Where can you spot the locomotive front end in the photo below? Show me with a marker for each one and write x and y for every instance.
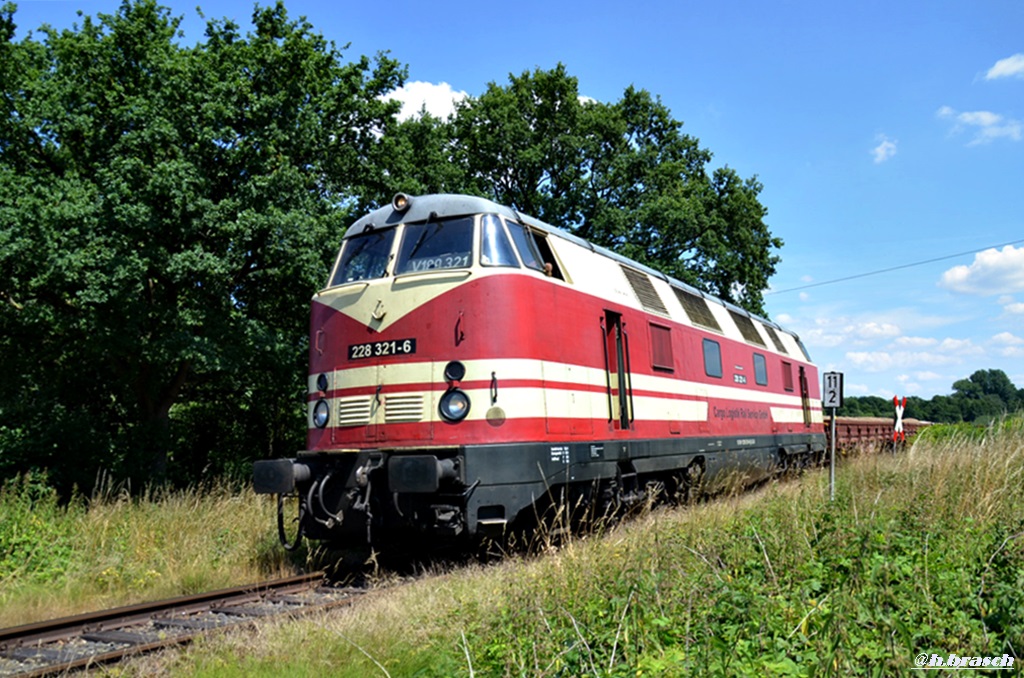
(398, 382)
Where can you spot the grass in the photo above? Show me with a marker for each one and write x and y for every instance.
(61, 559)
(922, 552)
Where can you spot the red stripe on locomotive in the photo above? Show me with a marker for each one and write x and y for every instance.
(528, 317)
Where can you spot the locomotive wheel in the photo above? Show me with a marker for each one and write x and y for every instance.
(693, 478)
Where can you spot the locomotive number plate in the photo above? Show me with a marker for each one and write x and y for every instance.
(379, 349)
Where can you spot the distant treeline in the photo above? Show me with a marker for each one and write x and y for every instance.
(986, 394)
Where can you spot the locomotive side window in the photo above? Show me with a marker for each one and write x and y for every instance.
(364, 257)
(712, 358)
(436, 245)
(526, 245)
(760, 370)
(495, 247)
(551, 266)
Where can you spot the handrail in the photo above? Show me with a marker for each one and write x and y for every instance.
(607, 368)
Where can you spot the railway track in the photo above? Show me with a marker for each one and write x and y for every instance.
(95, 638)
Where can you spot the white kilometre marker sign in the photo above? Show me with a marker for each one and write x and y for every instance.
(833, 398)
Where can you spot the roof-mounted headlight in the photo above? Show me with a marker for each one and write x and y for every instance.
(401, 202)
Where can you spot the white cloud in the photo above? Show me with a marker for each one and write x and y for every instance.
(908, 383)
(884, 150)
(1014, 308)
(992, 272)
(1009, 345)
(1005, 68)
(825, 338)
(439, 100)
(1007, 339)
(804, 296)
(873, 330)
(860, 389)
(916, 342)
(885, 361)
(960, 347)
(833, 332)
(987, 126)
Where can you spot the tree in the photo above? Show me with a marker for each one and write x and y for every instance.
(985, 393)
(621, 175)
(165, 213)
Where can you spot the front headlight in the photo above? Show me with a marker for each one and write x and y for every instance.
(454, 405)
(321, 413)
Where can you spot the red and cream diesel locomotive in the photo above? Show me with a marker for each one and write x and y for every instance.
(469, 365)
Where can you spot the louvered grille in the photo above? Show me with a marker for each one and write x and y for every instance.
(644, 290)
(408, 407)
(696, 309)
(354, 411)
(747, 329)
(775, 339)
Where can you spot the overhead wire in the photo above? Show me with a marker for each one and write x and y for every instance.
(891, 268)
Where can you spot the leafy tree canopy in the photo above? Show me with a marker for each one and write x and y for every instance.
(622, 175)
(165, 212)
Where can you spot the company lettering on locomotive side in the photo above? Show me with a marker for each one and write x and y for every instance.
(469, 365)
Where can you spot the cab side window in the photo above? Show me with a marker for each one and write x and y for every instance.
(526, 245)
(535, 250)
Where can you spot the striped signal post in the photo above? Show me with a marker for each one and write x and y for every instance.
(897, 429)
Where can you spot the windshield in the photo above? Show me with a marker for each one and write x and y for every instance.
(436, 245)
(364, 256)
(495, 248)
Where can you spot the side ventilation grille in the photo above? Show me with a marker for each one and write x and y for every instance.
(697, 309)
(644, 290)
(747, 329)
(775, 339)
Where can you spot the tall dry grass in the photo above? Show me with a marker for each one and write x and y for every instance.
(116, 549)
(920, 552)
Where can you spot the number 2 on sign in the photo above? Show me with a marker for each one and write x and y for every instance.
(833, 389)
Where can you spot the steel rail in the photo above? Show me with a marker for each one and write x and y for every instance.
(59, 645)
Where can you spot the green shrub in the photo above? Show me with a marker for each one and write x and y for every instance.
(36, 534)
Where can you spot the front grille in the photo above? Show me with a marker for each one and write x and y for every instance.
(407, 407)
(354, 411)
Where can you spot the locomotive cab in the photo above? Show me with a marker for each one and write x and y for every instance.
(384, 406)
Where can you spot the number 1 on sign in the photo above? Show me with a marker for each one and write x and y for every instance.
(833, 391)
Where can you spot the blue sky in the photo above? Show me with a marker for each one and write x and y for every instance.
(885, 134)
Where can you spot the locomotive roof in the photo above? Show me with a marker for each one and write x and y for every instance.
(447, 205)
